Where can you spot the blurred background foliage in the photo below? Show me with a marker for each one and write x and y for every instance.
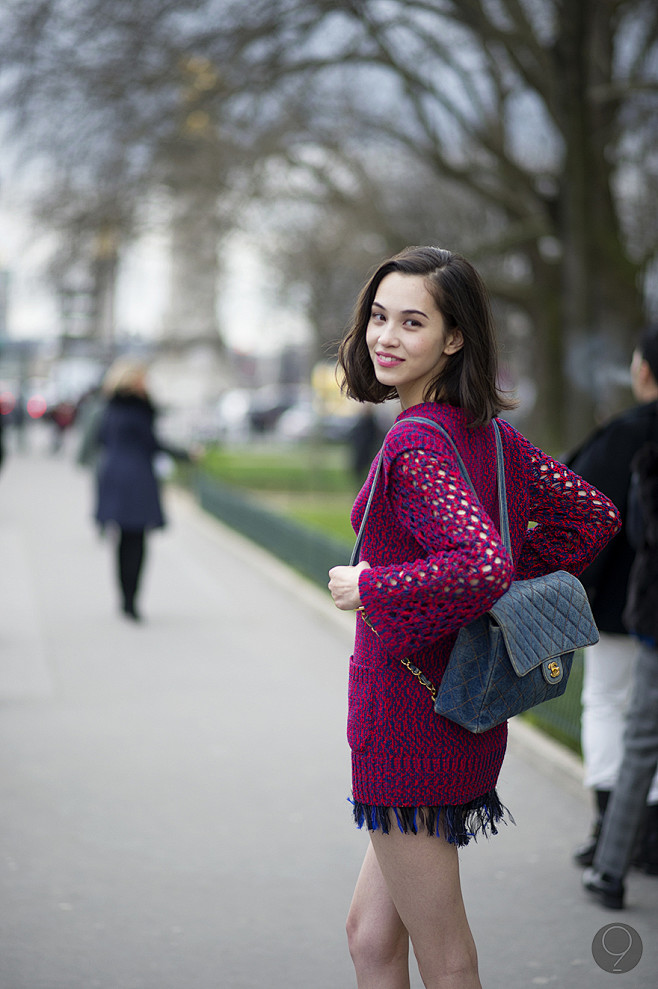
(522, 133)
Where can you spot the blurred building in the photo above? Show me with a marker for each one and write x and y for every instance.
(4, 301)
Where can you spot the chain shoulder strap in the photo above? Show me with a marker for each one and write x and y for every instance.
(424, 680)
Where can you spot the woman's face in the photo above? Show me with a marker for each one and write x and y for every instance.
(407, 338)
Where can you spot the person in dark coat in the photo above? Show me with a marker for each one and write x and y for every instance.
(128, 493)
(626, 810)
(604, 460)
(365, 437)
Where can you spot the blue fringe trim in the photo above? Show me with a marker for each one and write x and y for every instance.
(456, 823)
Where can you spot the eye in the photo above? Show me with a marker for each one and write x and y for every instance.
(377, 317)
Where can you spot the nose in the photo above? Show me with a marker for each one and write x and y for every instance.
(388, 334)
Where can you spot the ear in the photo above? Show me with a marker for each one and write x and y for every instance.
(454, 341)
(640, 369)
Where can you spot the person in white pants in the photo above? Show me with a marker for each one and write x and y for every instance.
(623, 816)
(604, 460)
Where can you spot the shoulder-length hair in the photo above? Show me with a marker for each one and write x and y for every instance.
(125, 375)
(468, 378)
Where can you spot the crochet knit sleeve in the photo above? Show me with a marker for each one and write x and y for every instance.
(574, 520)
(466, 568)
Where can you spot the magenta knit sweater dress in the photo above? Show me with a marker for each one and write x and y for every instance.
(437, 562)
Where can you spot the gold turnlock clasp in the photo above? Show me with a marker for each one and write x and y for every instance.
(554, 669)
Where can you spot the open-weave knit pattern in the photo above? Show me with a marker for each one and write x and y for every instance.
(437, 562)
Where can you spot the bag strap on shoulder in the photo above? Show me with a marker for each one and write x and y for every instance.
(500, 478)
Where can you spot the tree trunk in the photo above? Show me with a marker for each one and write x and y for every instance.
(546, 424)
(600, 298)
(192, 310)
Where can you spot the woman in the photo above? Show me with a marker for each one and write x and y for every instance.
(127, 488)
(432, 560)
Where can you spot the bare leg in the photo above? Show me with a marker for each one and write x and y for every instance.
(422, 877)
(378, 940)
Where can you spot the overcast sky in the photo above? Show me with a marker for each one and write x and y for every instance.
(251, 318)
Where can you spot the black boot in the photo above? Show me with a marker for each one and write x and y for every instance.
(130, 611)
(645, 857)
(584, 854)
(609, 890)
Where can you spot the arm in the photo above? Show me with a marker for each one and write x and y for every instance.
(574, 520)
(645, 497)
(175, 452)
(608, 446)
(464, 567)
(634, 520)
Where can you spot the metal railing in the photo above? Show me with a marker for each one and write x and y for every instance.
(311, 553)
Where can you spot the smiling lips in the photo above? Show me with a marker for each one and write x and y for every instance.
(388, 360)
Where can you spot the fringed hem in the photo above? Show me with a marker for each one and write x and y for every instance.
(457, 824)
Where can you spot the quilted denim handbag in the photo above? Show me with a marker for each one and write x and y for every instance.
(519, 653)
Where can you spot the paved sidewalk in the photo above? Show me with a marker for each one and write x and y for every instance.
(173, 795)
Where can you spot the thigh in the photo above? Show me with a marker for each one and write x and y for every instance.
(373, 915)
(608, 670)
(422, 875)
(421, 872)
(642, 727)
(132, 542)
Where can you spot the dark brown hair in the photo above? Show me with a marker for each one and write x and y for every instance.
(469, 376)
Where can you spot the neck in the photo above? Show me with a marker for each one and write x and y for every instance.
(649, 393)
(410, 398)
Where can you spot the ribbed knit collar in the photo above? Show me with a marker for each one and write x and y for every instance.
(434, 409)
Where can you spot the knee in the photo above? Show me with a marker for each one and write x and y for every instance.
(374, 946)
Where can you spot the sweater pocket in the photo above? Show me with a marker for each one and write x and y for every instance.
(360, 707)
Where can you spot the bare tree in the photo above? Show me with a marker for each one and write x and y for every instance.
(536, 109)
(541, 111)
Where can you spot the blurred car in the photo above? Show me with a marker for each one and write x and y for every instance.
(269, 403)
(303, 421)
(299, 422)
(231, 415)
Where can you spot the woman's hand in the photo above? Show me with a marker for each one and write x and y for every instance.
(344, 586)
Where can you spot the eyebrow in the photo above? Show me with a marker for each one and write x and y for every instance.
(404, 312)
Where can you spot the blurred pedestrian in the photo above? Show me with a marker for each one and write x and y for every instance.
(127, 488)
(433, 560)
(88, 418)
(604, 460)
(17, 420)
(365, 439)
(62, 416)
(627, 809)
